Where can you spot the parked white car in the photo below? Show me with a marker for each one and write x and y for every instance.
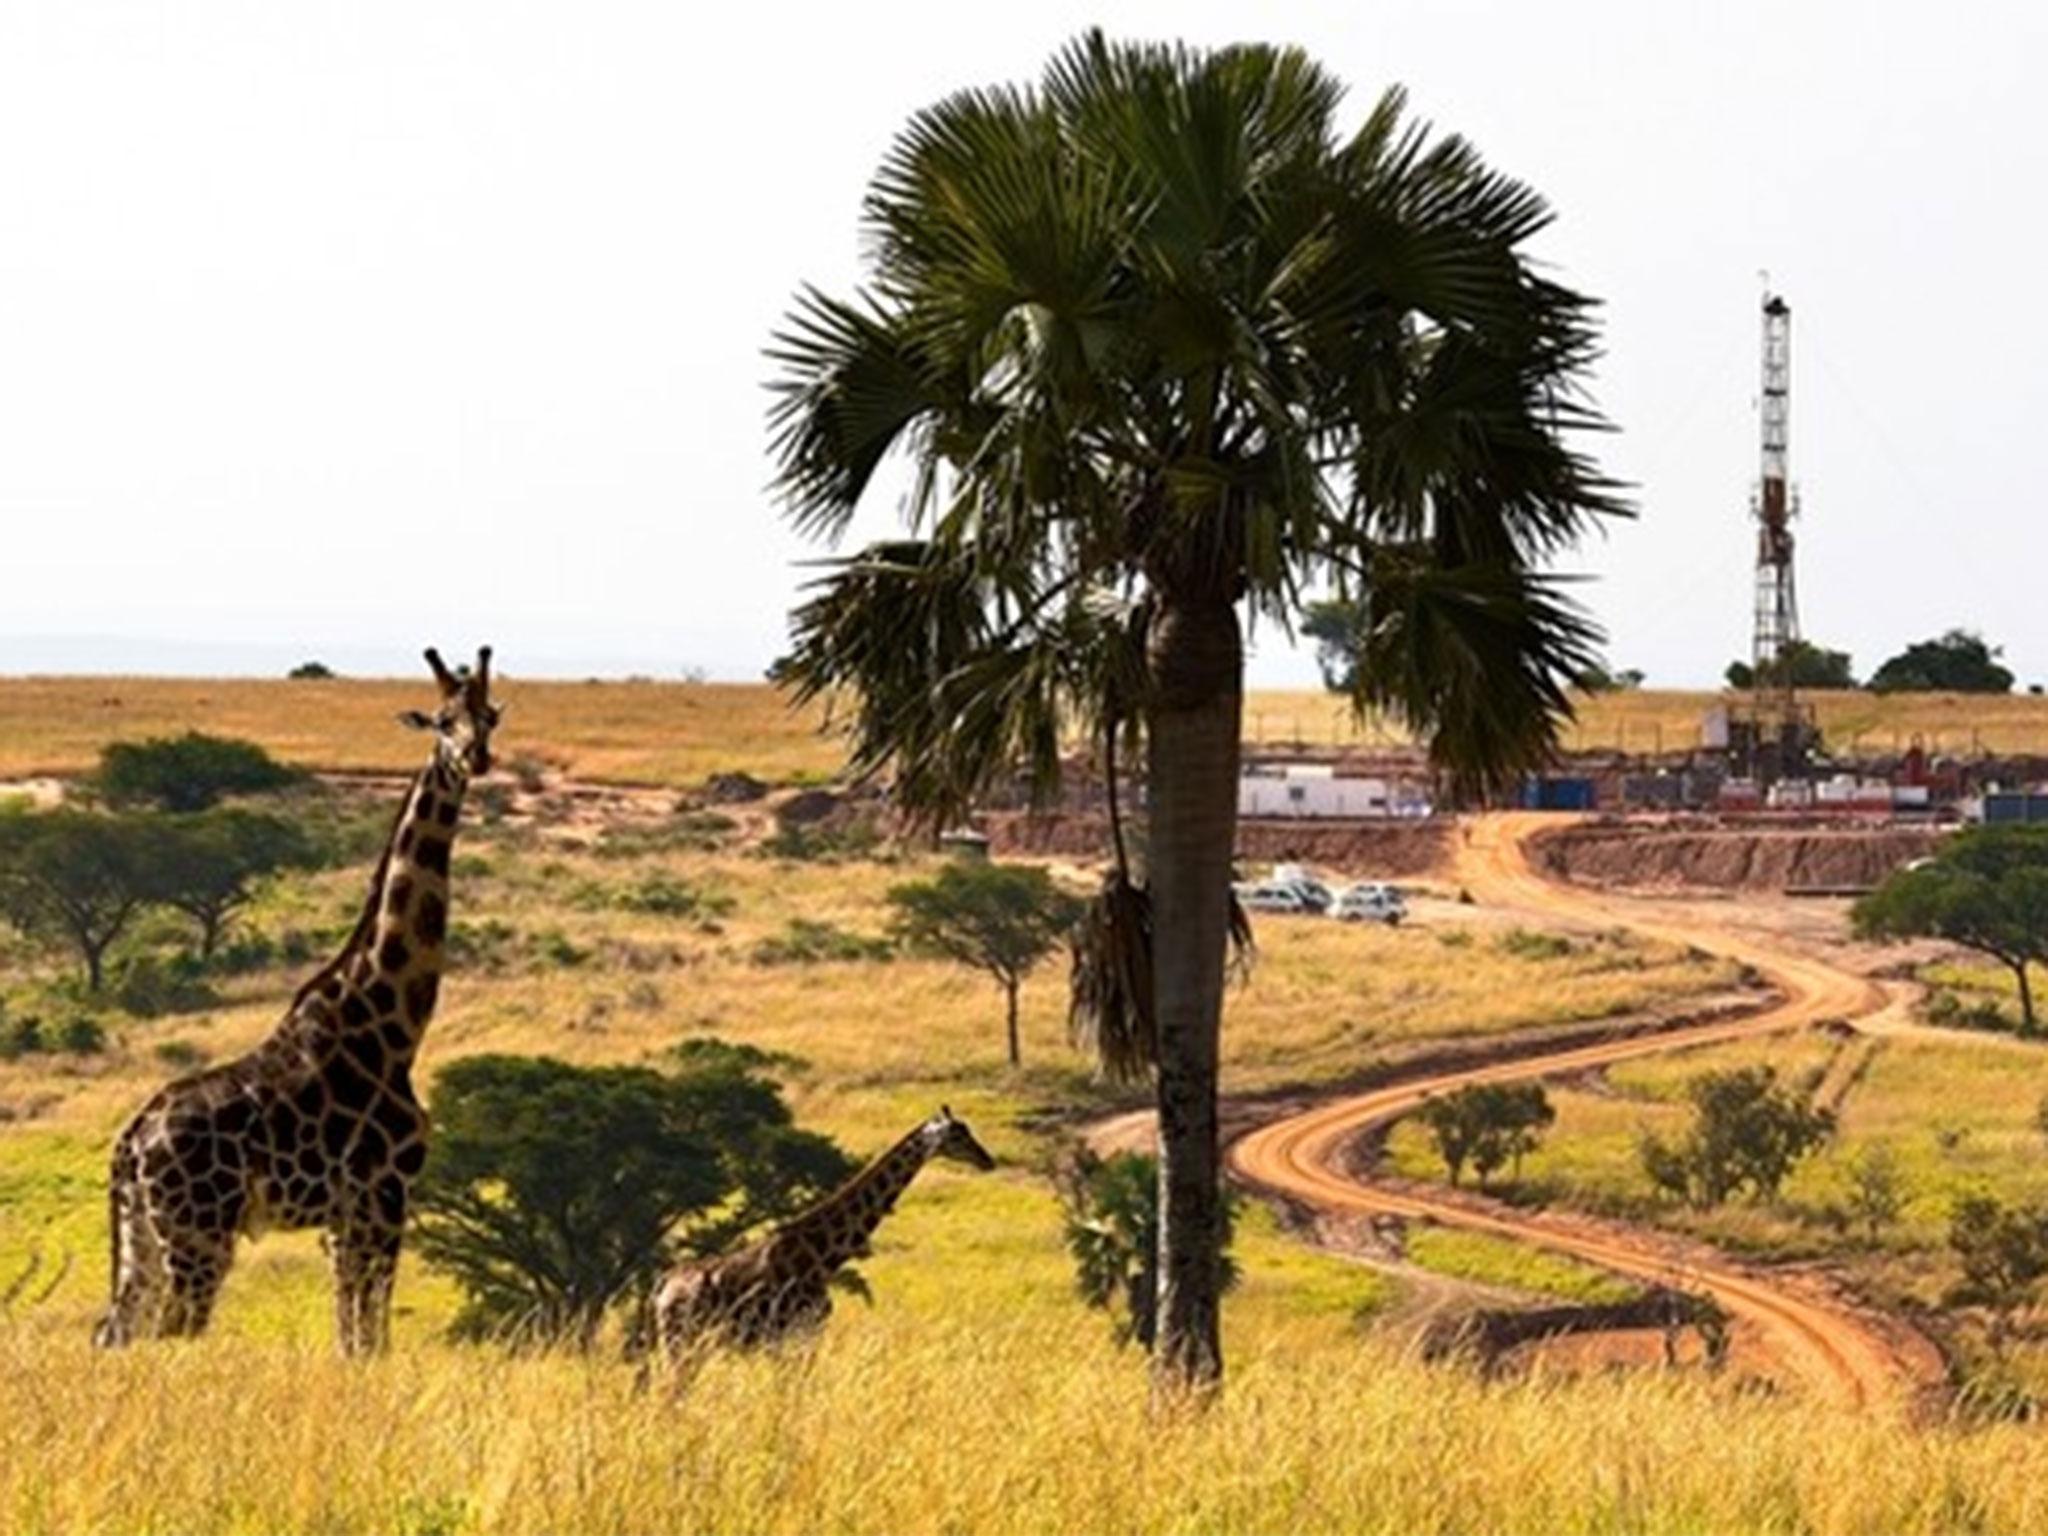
(1369, 901)
(1297, 878)
(1270, 896)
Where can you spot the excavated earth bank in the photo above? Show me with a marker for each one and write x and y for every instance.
(1655, 857)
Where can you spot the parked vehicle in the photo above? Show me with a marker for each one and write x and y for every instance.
(1370, 901)
(1315, 895)
(1270, 896)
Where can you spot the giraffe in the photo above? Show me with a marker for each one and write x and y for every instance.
(319, 1125)
(776, 1287)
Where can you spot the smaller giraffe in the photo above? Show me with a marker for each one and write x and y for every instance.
(777, 1286)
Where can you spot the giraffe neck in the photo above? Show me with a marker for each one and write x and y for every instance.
(392, 969)
(838, 1228)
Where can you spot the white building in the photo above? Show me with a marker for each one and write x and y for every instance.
(1317, 791)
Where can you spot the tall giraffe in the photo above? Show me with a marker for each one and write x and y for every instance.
(778, 1286)
(319, 1125)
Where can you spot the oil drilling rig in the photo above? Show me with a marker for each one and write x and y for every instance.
(1772, 736)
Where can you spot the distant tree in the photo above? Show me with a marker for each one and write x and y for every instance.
(1338, 625)
(311, 671)
(1876, 1189)
(1597, 677)
(77, 878)
(2003, 1251)
(1748, 1131)
(1801, 664)
(1111, 1208)
(193, 772)
(999, 918)
(1957, 662)
(555, 1190)
(1488, 1125)
(210, 864)
(1987, 890)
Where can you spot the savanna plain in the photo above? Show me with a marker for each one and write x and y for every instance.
(973, 1392)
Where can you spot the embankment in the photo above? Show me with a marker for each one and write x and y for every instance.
(1636, 856)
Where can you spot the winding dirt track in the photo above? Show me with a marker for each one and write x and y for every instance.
(1843, 1354)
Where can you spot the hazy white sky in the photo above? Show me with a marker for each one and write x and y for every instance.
(338, 329)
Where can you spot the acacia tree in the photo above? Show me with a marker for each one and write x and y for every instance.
(999, 918)
(1168, 355)
(211, 863)
(79, 879)
(1986, 890)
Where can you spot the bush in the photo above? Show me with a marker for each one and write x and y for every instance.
(1488, 1125)
(149, 986)
(22, 1037)
(556, 1190)
(1111, 1209)
(193, 772)
(82, 1036)
(552, 947)
(807, 942)
(825, 842)
(1747, 1132)
(180, 1055)
(1528, 944)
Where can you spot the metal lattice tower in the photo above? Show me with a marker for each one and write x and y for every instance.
(1775, 505)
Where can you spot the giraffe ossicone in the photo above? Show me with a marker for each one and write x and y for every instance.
(780, 1285)
(318, 1126)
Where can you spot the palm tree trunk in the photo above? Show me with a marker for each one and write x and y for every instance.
(1197, 663)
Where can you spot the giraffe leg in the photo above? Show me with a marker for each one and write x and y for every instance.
(197, 1264)
(365, 1251)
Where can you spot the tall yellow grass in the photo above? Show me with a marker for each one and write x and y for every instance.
(978, 1422)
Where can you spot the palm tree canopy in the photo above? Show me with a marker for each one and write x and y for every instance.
(1153, 332)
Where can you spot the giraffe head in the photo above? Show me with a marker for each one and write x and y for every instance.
(947, 1137)
(463, 724)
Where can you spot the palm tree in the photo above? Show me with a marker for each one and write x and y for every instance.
(1168, 357)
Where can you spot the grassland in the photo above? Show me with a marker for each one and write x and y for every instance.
(678, 733)
(551, 958)
(976, 1395)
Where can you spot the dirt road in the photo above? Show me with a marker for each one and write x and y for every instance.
(1844, 1354)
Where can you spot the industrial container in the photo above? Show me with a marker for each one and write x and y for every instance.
(2011, 808)
(1547, 792)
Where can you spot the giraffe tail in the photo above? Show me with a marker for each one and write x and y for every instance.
(103, 1335)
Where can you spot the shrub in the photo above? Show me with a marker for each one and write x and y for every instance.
(825, 842)
(82, 1036)
(1487, 1124)
(310, 671)
(149, 986)
(192, 772)
(22, 1037)
(552, 947)
(181, 1055)
(1748, 1131)
(1111, 1210)
(1528, 944)
(2003, 1251)
(556, 1190)
(804, 941)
